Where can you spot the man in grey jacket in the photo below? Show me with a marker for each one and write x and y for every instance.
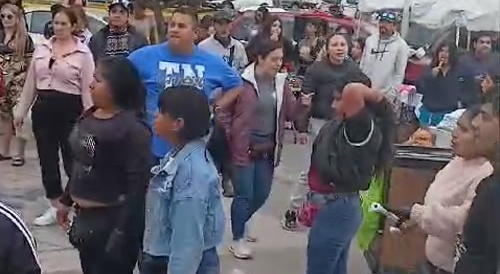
(118, 38)
(385, 56)
(222, 44)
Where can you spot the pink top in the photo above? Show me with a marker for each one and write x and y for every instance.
(446, 205)
(71, 74)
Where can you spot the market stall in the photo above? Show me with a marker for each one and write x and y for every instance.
(413, 171)
(426, 151)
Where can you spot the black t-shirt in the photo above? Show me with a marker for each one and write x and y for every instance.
(112, 161)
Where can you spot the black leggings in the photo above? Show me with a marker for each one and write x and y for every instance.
(90, 234)
(54, 115)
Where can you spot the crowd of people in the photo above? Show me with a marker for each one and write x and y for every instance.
(148, 131)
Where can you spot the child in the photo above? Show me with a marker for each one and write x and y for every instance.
(184, 214)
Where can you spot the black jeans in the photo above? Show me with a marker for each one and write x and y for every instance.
(54, 115)
(90, 233)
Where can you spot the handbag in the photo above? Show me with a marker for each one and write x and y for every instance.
(307, 212)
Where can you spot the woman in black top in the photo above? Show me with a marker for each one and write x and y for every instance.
(111, 145)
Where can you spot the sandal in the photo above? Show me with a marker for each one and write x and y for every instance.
(18, 161)
(4, 158)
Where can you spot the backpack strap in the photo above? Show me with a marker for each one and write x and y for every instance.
(231, 55)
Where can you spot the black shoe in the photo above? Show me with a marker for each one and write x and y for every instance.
(290, 220)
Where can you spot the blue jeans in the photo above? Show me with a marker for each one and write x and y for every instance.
(209, 264)
(331, 233)
(252, 185)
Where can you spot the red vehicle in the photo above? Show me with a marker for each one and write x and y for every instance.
(294, 23)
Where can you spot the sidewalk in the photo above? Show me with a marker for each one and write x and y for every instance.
(21, 188)
(276, 252)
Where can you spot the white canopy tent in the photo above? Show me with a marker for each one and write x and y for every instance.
(477, 15)
(483, 15)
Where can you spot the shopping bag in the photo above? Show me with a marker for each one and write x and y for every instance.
(371, 221)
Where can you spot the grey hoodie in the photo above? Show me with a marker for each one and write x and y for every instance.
(384, 62)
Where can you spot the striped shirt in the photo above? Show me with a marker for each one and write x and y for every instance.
(17, 245)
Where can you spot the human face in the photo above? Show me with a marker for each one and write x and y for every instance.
(347, 103)
(356, 51)
(486, 128)
(100, 91)
(337, 49)
(463, 142)
(118, 16)
(276, 28)
(271, 63)
(259, 16)
(444, 55)
(222, 28)
(311, 29)
(483, 45)
(63, 28)
(487, 84)
(139, 10)
(9, 20)
(386, 28)
(211, 30)
(167, 127)
(181, 30)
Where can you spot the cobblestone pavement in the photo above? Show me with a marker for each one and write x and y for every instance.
(276, 252)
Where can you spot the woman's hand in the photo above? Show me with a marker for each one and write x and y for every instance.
(436, 70)
(62, 216)
(18, 122)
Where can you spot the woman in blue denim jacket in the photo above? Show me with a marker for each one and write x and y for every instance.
(184, 214)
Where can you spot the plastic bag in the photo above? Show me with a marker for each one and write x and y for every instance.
(371, 221)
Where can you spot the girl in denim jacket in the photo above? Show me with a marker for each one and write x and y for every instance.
(184, 214)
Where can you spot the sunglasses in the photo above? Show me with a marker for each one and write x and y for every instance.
(7, 16)
(387, 16)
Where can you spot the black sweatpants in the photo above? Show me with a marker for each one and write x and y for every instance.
(54, 115)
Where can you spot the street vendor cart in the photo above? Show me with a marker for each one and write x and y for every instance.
(413, 171)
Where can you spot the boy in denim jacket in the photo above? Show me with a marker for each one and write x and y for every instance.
(184, 214)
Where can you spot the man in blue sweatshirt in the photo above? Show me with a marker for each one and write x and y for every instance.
(179, 62)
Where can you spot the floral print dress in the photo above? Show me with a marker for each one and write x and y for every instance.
(14, 69)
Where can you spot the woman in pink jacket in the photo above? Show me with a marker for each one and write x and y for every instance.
(449, 197)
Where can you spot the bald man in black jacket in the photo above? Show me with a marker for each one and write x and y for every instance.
(17, 245)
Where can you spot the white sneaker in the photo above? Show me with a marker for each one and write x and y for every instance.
(240, 250)
(49, 217)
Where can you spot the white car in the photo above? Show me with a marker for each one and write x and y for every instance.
(36, 18)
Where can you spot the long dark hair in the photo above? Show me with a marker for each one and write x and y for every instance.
(125, 83)
(452, 51)
(266, 27)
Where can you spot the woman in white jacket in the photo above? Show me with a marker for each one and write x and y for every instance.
(449, 197)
